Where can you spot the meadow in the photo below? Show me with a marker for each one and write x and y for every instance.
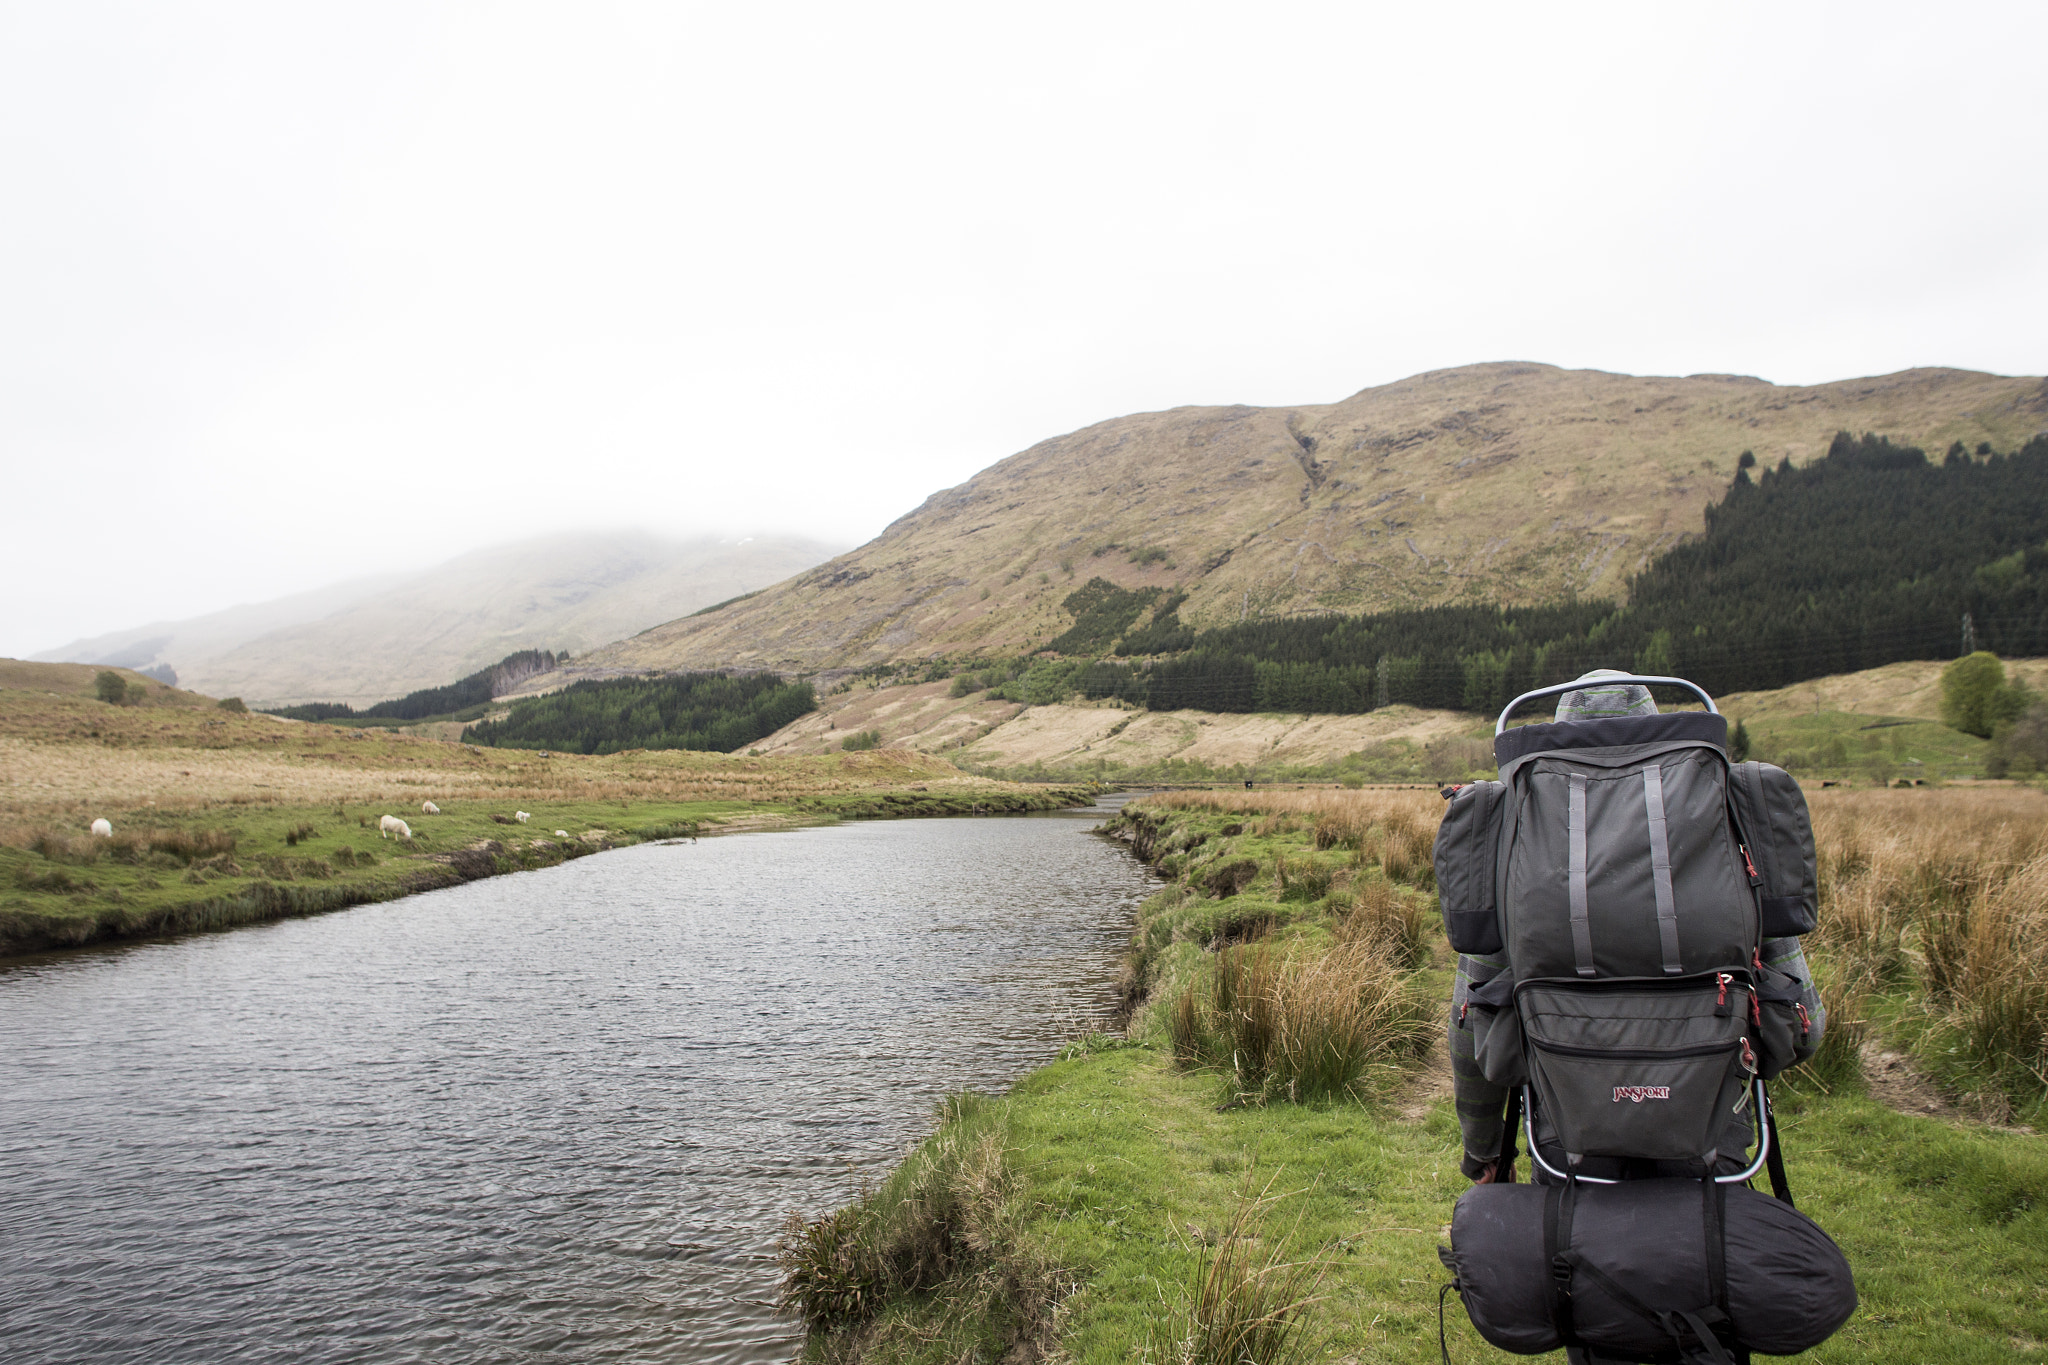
(224, 817)
(1261, 1167)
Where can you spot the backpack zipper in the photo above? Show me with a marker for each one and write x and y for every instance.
(1638, 1054)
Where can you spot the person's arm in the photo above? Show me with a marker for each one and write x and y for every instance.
(1481, 1103)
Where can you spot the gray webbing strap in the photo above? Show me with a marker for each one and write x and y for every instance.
(1660, 868)
(1582, 932)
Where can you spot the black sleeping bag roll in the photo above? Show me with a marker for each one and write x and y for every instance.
(1788, 1286)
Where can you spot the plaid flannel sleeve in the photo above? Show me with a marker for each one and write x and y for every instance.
(1481, 1103)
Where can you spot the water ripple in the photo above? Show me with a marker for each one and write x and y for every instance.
(551, 1117)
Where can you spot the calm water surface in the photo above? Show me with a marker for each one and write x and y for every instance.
(556, 1116)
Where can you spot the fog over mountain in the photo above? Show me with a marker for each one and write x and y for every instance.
(372, 638)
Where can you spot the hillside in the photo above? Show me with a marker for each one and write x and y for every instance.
(1510, 483)
(375, 639)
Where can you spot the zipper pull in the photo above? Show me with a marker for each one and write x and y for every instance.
(1805, 1024)
(1748, 1057)
(1756, 1012)
(1721, 998)
(1754, 880)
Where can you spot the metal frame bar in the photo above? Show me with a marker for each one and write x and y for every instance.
(1582, 684)
(1763, 1142)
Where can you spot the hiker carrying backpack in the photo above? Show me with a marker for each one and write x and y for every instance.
(1626, 906)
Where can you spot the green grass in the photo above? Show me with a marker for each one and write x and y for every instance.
(298, 859)
(1122, 1165)
(1865, 749)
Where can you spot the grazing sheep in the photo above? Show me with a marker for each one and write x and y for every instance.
(561, 834)
(391, 825)
(521, 816)
(102, 828)
(429, 808)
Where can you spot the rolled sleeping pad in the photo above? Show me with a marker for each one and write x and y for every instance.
(1789, 1287)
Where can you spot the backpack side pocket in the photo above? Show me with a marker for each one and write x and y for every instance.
(1784, 1031)
(1466, 844)
(1496, 1030)
(1770, 810)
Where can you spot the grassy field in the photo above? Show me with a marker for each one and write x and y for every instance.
(223, 818)
(1264, 1166)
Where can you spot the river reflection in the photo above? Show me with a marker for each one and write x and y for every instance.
(556, 1116)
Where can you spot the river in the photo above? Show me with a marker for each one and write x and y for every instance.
(554, 1116)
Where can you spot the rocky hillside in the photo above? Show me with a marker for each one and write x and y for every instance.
(366, 642)
(1511, 483)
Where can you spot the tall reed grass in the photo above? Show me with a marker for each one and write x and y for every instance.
(1942, 895)
(1301, 1026)
(1249, 1295)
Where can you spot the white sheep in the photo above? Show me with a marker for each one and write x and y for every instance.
(103, 828)
(521, 816)
(561, 834)
(429, 808)
(391, 825)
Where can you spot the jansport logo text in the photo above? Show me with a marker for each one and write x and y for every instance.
(1639, 1093)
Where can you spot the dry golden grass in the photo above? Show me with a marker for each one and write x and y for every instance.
(1944, 893)
(1391, 827)
(66, 759)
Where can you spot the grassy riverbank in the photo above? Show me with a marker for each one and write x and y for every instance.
(224, 818)
(1273, 1146)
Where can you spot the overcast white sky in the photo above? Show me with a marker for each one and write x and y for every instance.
(296, 292)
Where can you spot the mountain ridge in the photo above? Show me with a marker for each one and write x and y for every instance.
(1508, 482)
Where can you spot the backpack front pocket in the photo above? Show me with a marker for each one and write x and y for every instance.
(1635, 1068)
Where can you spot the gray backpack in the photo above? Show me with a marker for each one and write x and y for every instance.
(1630, 874)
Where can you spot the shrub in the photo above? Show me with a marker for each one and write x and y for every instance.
(861, 740)
(234, 704)
(110, 687)
(965, 685)
(1975, 696)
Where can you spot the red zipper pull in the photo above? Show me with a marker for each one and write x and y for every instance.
(1756, 1012)
(1748, 1057)
(1805, 1024)
(1753, 878)
(1722, 998)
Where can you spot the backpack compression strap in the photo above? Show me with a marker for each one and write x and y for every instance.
(1504, 1164)
(1774, 1160)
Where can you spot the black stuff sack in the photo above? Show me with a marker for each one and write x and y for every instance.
(1788, 1286)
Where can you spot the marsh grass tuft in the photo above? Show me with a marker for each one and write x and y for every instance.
(1304, 1026)
(1399, 928)
(945, 1219)
(1249, 1295)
